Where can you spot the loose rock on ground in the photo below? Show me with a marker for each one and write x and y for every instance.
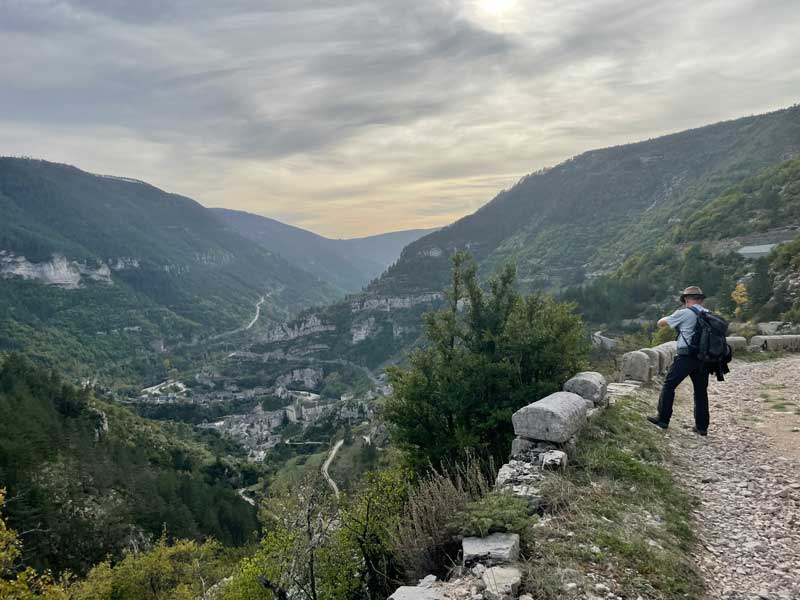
(746, 475)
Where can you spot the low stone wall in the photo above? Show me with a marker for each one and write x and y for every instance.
(788, 343)
(643, 365)
(546, 431)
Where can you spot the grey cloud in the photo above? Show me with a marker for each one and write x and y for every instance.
(353, 101)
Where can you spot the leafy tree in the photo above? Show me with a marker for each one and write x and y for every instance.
(739, 296)
(183, 570)
(482, 363)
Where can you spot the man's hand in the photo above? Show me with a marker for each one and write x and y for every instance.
(663, 322)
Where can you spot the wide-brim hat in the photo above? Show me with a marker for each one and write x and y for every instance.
(692, 290)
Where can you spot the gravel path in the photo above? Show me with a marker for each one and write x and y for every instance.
(746, 474)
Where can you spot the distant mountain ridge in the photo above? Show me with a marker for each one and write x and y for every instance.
(349, 264)
(98, 270)
(585, 215)
(561, 227)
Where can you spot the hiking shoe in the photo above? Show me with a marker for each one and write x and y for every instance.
(703, 432)
(658, 422)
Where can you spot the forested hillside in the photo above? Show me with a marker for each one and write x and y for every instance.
(347, 264)
(702, 249)
(87, 480)
(97, 271)
(586, 215)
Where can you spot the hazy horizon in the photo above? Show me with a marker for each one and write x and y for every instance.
(358, 117)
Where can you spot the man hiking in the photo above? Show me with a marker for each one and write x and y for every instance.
(687, 363)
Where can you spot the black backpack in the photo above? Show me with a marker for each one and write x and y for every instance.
(709, 341)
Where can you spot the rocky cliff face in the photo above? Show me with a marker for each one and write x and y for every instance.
(58, 271)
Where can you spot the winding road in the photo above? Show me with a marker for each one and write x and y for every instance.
(258, 313)
(327, 464)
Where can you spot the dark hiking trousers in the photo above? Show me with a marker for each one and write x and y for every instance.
(683, 367)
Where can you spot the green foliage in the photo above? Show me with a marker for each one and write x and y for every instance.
(84, 493)
(502, 352)
(495, 512)
(315, 548)
(183, 570)
(770, 199)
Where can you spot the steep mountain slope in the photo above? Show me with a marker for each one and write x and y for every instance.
(96, 269)
(587, 214)
(347, 264)
(562, 226)
(761, 213)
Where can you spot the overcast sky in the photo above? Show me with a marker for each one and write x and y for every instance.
(354, 117)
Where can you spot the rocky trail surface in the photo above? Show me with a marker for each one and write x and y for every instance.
(746, 475)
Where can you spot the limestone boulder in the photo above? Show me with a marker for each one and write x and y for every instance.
(555, 418)
(496, 549)
(590, 385)
(636, 366)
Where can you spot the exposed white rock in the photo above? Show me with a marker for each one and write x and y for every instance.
(495, 549)
(284, 332)
(123, 263)
(363, 330)
(309, 377)
(521, 478)
(555, 418)
(553, 460)
(58, 271)
(389, 303)
(409, 592)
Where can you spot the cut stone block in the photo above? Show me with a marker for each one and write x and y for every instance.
(501, 582)
(737, 343)
(776, 342)
(590, 385)
(496, 549)
(636, 366)
(409, 592)
(416, 592)
(655, 362)
(555, 418)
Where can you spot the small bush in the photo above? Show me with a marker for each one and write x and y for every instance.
(495, 513)
(423, 543)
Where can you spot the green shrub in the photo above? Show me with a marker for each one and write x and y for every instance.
(497, 512)
(499, 353)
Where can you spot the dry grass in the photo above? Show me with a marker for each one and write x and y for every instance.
(423, 543)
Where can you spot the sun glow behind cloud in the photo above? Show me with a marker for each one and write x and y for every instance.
(353, 117)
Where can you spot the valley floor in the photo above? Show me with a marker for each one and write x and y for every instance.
(746, 475)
